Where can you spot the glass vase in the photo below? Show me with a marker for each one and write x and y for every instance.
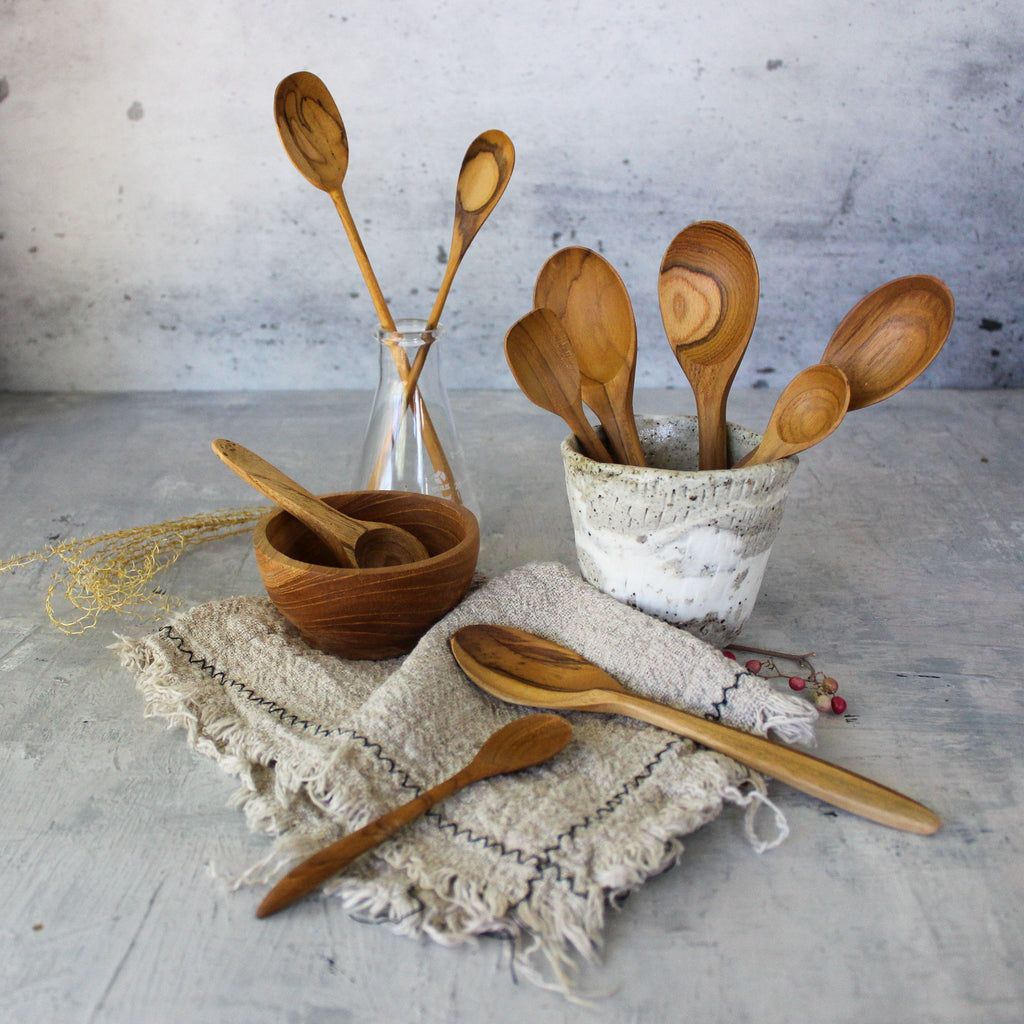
(411, 443)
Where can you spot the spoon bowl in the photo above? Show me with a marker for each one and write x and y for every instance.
(352, 542)
(891, 336)
(590, 300)
(810, 407)
(520, 668)
(544, 365)
(524, 743)
(708, 292)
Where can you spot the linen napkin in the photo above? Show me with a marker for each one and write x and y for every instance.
(322, 745)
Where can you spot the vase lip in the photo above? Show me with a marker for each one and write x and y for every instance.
(411, 329)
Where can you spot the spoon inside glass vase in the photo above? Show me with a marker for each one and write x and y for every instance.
(583, 290)
(810, 407)
(708, 290)
(354, 543)
(891, 336)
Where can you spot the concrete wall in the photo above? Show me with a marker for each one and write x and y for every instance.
(155, 235)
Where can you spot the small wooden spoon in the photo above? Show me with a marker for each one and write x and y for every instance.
(810, 407)
(486, 170)
(543, 363)
(586, 294)
(708, 291)
(354, 543)
(520, 744)
(520, 668)
(891, 336)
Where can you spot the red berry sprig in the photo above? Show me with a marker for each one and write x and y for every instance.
(824, 692)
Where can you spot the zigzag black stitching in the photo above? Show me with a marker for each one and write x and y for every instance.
(545, 862)
(716, 715)
(542, 862)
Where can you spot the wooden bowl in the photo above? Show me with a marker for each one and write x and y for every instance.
(369, 613)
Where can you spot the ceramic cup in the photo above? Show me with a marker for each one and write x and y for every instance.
(683, 545)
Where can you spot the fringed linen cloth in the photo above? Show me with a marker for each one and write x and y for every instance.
(322, 745)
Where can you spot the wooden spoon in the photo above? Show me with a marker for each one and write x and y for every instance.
(708, 293)
(520, 744)
(486, 170)
(810, 407)
(353, 542)
(891, 336)
(586, 294)
(314, 137)
(520, 668)
(544, 365)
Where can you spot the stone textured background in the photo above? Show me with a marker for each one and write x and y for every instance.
(154, 235)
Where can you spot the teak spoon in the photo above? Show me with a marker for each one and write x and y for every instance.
(890, 336)
(708, 293)
(353, 542)
(520, 668)
(544, 365)
(314, 137)
(586, 294)
(485, 172)
(810, 407)
(520, 744)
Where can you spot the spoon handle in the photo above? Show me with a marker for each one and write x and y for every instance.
(809, 774)
(331, 859)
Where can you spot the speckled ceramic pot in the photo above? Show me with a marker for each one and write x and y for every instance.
(684, 545)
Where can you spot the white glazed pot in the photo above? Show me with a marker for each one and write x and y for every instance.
(684, 545)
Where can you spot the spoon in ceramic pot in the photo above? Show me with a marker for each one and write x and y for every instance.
(520, 668)
(708, 293)
(486, 170)
(354, 543)
(543, 363)
(521, 744)
(810, 407)
(891, 336)
(586, 294)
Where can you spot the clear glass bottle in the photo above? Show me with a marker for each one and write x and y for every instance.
(411, 443)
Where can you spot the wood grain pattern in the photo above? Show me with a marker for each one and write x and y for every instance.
(810, 408)
(516, 666)
(369, 613)
(588, 297)
(354, 543)
(520, 744)
(891, 336)
(708, 291)
(543, 363)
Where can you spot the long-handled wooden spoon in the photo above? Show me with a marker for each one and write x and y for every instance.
(544, 365)
(890, 336)
(520, 668)
(810, 407)
(485, 172)
(586, 294)
(314, 137)
(520, 744)
(708, 293)
(354, 543)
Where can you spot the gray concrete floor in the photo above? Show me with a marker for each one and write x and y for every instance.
(899, 563)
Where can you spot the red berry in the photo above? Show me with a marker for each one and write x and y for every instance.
(754, 666)
(838, 705)
(729, 655)
(796, 683)
(829, 685)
